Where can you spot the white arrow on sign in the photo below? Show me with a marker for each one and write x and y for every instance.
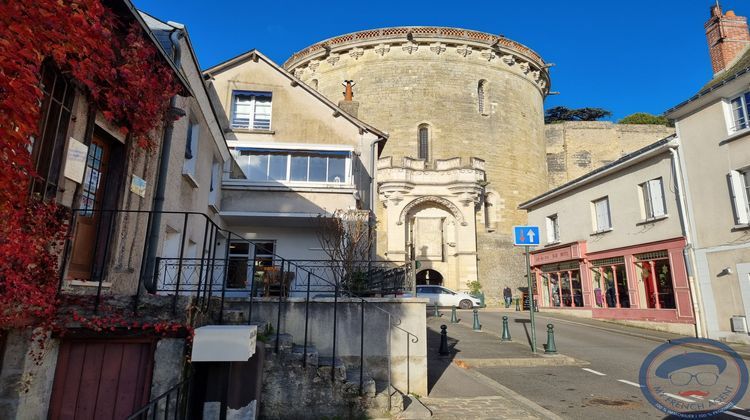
(531, 235)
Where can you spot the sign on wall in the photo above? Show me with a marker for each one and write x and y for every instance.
(138, 186)
(75, 162)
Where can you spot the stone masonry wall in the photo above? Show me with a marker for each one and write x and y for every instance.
(578, 147)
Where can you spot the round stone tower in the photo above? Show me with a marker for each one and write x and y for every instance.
(464, 111)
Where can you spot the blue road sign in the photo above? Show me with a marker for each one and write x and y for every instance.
(525, 235)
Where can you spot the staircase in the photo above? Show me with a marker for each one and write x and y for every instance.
(302, 384)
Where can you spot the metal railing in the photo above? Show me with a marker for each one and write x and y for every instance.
(172, 404)
(209, 274)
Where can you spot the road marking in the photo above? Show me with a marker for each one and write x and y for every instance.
(594, 372)
(739, 416)
(629, 383)
(677, 397)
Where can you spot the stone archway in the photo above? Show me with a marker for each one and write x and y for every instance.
(452, 208)
(429, 276)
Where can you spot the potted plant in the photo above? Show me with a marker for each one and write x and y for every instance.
(475, 290)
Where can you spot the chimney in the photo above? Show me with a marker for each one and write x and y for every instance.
(727, 37)
(347, 104)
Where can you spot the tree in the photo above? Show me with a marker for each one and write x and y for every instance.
(347, 237)
(561, 113)
(645, 118)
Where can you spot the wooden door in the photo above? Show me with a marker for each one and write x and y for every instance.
(87, 220)
(97, 379)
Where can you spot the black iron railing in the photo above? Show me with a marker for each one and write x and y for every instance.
(194, 266)
(172, 404)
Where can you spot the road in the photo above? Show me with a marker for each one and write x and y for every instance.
(605, 388)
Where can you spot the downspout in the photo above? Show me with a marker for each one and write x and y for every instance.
(154, 228)
(687, 252)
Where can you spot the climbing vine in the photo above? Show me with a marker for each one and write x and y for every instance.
(118, 69)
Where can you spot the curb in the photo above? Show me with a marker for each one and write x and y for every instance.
(537, 361)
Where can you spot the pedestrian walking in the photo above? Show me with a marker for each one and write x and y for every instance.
(508, 295)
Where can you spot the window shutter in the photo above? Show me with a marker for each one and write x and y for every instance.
(656, 193)
(739, 202)
(647, 199)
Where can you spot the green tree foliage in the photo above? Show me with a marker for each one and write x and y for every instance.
(561, 113)
(645, 118)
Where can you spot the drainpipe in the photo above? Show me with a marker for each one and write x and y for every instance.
(154, 228)
(687, 252)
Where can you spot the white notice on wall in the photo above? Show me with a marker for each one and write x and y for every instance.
(75, 162)
(138, 186)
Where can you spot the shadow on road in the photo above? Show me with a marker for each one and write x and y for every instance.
(525, 323)
(437, 364)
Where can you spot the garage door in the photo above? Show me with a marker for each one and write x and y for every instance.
(98, 379)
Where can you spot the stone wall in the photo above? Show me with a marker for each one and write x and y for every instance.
(575, 148)
(411, 313)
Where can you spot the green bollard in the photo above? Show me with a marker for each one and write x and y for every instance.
(518, 306)
(506, 330)
(454, 318)
(550, 348)
(435, 312)
(477, 325)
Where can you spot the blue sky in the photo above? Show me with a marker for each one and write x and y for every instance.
(624, 56)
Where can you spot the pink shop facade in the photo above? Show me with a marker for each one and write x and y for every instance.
(646, 282)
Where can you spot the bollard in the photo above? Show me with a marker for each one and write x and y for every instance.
(435, 312)
(550, 348)
(454, 318)
(506, 330)
(477, 325)
(443, 341)
(518, 307)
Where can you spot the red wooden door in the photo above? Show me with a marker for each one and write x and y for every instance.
(97, 379)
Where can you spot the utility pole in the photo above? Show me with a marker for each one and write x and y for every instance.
(531, 300)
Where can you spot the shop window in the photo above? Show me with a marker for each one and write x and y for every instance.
(563, 283)
(610, 282)
(656, 274)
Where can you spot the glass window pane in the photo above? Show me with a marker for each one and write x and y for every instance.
(264, 248)
(336, 169)
(298, 168)
(277, 170)
(738, 112)
(317, 168)
(239, 248)
(256, 166)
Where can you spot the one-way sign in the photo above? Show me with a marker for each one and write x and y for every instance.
(525, 235)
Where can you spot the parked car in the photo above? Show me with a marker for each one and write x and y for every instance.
(444, 296)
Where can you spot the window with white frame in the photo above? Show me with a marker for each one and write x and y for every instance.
(653, 198)
(602, 215)
(739, 112)
(191, 149)
(295, 166)
(553, 229)
(739, 188)
(251, 110)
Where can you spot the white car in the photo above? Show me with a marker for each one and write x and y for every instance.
(446, 297)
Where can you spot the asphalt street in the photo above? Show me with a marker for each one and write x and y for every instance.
(606, 387)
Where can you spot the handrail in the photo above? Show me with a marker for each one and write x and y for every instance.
(181, 404)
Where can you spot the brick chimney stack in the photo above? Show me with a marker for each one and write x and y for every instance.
(727, 36)
(348, 104)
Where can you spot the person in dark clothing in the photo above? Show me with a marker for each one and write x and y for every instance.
(508, 295)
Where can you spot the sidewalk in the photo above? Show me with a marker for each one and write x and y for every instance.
(459, 392)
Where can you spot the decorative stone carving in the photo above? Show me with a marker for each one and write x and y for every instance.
(333, 59)
(535, 75)
(489, 55)
(314, 64)
(298, 72)
(410, 47)
(524, 66)
(542, 83)
(438, 48)
(509, 59)
(463, 50)
(455, 211)
(355, 53)
(382, 49)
